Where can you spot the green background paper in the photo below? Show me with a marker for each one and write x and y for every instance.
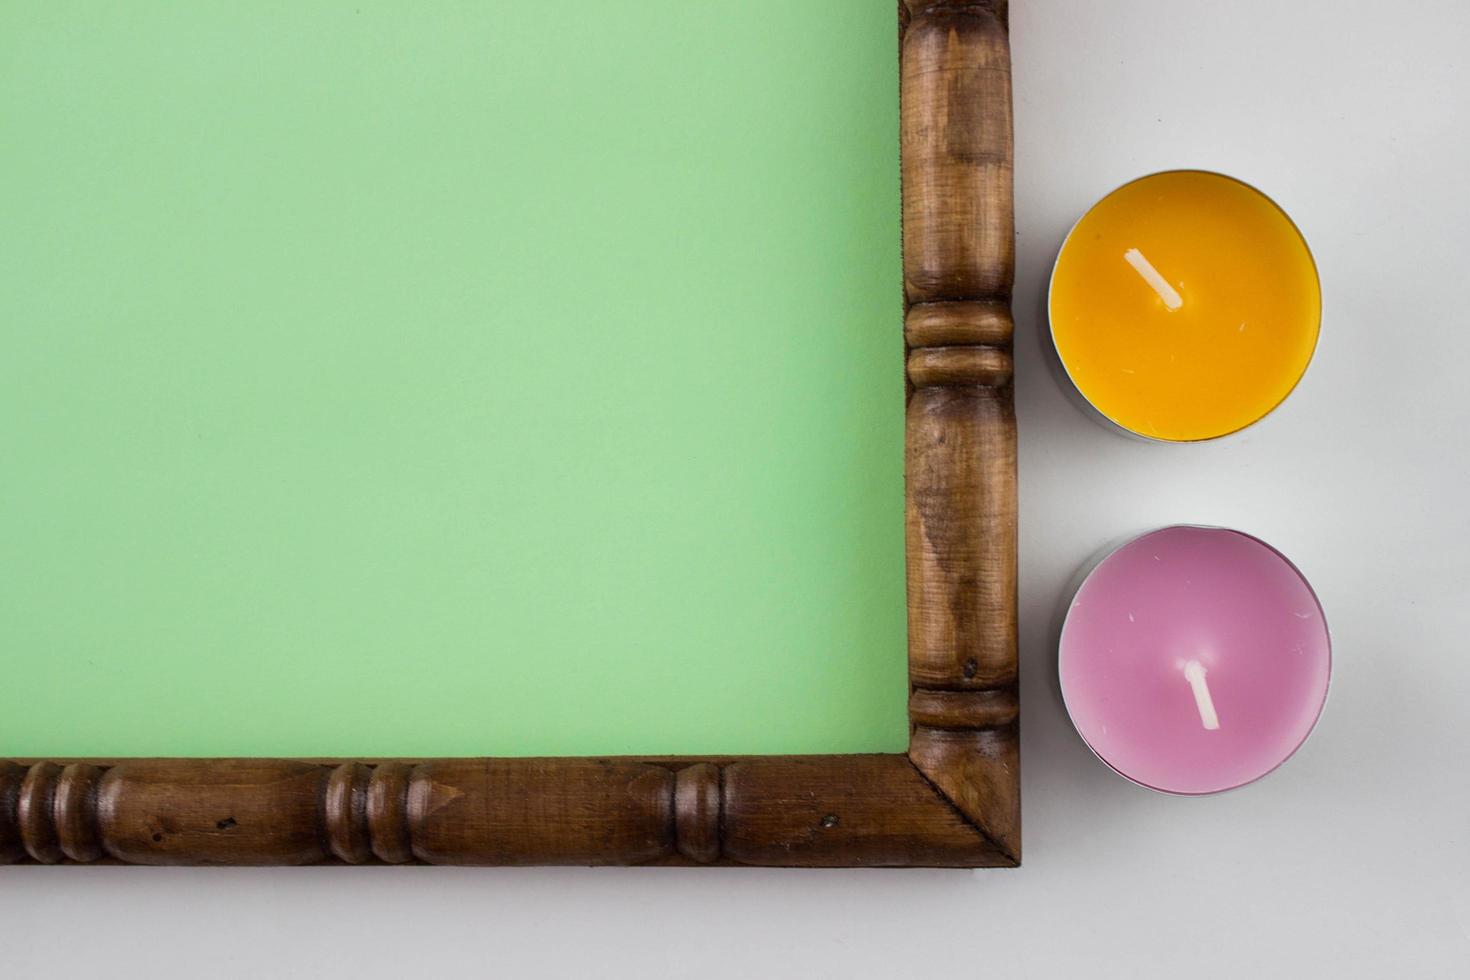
(428, 378)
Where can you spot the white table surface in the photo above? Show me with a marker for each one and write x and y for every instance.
(1348, 862)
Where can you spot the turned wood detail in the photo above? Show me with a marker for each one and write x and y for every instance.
(699, 805)
(955, 134)
(219, 811)
(960, 432)
(964, 709)
(958, 268)
(810, 811)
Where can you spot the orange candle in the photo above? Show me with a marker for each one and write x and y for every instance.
(1185, 306)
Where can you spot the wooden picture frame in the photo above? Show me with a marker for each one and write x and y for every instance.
(952, 800)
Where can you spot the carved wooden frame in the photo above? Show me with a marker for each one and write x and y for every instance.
(952, 800)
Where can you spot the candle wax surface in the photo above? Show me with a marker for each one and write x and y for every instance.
(1222, 347)
(1194, 659)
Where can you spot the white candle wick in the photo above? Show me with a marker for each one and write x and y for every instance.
(1194, 672)
(1150, 275)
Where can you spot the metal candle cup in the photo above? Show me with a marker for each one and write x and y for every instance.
(1184, 306)
(1194, 659)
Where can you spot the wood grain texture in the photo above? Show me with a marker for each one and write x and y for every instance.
(952, 801)
(541, 811)
(949, 324)
(955, 129)
(831, 811)
(963, 709)
(798, 811)
(979, 772)
(960, 434)
(961, 537)
(699, 812)
(12, 848)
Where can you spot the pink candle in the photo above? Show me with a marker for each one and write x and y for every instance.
(1195, 659)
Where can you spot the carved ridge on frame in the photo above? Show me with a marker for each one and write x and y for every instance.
(804, 811)
(960, 435)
